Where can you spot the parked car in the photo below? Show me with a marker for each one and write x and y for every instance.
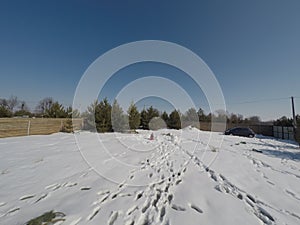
(240, 131)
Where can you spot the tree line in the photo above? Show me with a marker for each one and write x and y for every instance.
(47, 108)
(287, 122)
(106, 117)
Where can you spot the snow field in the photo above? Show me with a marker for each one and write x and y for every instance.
(181, 177)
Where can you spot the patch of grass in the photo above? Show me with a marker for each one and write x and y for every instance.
(47, 218)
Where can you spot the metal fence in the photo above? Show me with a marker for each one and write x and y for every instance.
(283, 132)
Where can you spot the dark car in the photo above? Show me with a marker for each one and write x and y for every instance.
(240, 131)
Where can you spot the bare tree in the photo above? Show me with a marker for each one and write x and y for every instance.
(12, 102)
(3, 102)
(44, 105)
(254, 119)
(23, 106)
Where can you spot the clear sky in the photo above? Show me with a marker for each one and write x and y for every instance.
(253, 47)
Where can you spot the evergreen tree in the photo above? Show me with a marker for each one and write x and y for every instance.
(284, 121)
(174, 120)
(144, 120)
(190, 118)
(118, 119)
(103, 116)
(157, 123)
(72, 113)
(23, 113)
(152, 112)
(201, 115)
(134, 116)
(67, 126)
(165, 117)
(147, 115)
(56, 111)
(89, 117)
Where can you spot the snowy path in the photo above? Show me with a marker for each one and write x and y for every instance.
(182, 178)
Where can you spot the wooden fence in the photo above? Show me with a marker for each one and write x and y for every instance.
(10, 127)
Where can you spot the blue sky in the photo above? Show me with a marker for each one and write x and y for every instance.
(253, 47)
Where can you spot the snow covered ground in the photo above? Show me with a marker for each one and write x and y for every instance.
(180, 177)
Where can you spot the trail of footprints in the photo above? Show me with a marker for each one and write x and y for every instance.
(150, 206)
(256, 206)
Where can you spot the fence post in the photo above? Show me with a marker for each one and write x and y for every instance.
(28, 128)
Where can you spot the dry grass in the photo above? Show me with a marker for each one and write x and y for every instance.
(11, 127)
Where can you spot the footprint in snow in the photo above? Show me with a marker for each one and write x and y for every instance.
(178, 208)
(13, 210)
(113, 218)
(196, 208)
(26, 197)
(94, 213)
(85, 188)
(41, 197)
(53, 187)
(139, 195)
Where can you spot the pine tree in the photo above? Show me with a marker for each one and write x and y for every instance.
(165, 117)
(103, 116)
(152, 112)
(157, 123)
(89, 117)
(55, 111)
(118, 119)
(191, 118)
(67, 126)
(144, 120)
(201, 115)
(134, 116)
(147, 115)
(174, 120)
